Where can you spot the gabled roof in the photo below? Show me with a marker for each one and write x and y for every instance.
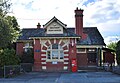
(54, 19)
(34, 32)
(93, 36)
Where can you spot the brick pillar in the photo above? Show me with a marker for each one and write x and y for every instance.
(72, 51)
(19, 48)
(37, 55)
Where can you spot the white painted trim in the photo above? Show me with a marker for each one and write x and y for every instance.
(65, 44)
(44, 67)
(52, 37)
(68, 46)
(28, 47)
(66, 59)
(40, 41)
(60, 41)
(43, 54)
(66, 55)
(34, 41)
(49, 42)
(75, 41)
(65, 51)
(43, 62)
(65, 62)
(43, 58)
(89, 46)
(83, 51)
(65, 67)
(43, 50)
(45, 45)
(52, 60)
(54, 41)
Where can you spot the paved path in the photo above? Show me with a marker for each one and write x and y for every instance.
(85, 77)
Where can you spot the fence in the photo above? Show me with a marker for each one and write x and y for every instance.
(13, 70)
(26, 67)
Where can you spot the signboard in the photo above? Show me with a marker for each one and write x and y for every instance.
(37, 50)
(54, 62)
(54, 28)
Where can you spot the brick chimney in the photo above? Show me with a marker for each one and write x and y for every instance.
(38, 25)
(79, 21)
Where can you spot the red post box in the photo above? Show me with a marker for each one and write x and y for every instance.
(74, 65)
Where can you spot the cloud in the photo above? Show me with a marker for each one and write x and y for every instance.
(104, 14)
(110, 39)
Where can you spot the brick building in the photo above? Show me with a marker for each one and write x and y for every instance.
(55, 45)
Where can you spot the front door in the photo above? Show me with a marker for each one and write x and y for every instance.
(92, 59)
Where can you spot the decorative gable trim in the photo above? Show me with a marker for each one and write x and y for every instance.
(54, 19)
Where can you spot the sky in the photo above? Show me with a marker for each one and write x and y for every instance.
(103, 14)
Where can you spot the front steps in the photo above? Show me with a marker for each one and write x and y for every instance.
(90, 69)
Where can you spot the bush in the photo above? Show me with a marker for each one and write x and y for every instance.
(8, 57)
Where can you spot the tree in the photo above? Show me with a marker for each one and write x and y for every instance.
(8, 57)
(4, 7)
(112, 46)
(118, 52)
(9, 28)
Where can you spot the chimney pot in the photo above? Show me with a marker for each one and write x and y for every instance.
(79, 21)
(38, 25)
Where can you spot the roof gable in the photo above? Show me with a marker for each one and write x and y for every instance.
(54, 26)
(54, 19)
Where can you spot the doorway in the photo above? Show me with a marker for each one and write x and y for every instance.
(91, 58)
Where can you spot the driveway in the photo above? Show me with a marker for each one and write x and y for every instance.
(81, 77)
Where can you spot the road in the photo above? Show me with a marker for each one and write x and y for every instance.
(80, 77)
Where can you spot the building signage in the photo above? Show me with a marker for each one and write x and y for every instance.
(54, 62)
(54, 28)
(37, 50)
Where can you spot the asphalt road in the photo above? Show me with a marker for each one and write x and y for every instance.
(81, 77)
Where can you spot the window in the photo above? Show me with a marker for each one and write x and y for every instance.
(81, 50)
(27, 46)
(55, 52)
(91, 50)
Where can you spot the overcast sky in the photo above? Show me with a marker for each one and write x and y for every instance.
(103, 14)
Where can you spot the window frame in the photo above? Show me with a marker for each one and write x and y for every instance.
(51, 52)
(81, 51)
(27, 46)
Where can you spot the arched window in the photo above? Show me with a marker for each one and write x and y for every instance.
(55, 51)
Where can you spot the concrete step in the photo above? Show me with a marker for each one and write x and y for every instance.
(90, 68)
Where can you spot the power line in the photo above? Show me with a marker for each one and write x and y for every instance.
(31, 19)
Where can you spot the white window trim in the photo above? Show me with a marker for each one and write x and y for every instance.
(81, 52)
(91, 50)
(27, 45)
(51, 50)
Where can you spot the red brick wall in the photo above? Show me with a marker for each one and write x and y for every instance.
(79, 21)
(108, 57)
(72, 52)
(19, 48)
(37, 55)
(54, 67)
(82, 59)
